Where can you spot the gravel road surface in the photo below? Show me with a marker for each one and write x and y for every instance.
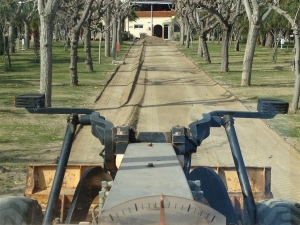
(170, 90)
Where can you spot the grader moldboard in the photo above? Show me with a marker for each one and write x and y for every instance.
(155, 183)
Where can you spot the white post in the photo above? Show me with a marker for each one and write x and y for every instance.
(23, 43)
(282, 42)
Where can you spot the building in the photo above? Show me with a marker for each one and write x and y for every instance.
(155, 19)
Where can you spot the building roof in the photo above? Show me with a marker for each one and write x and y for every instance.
(144, 14)
(163, 2)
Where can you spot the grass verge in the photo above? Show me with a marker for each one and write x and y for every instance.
(27, 138)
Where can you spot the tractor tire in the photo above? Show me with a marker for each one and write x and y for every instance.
(19, 211)
(277, 212)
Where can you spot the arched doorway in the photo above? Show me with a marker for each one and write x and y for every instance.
(157, 31)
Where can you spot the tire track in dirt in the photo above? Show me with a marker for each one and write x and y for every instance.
(177, 93)
(183, 93)
(112, 105)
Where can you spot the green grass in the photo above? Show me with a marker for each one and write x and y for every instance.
(268, 79)
(26, 138)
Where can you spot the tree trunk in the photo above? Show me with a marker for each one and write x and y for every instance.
(275, 47)
(269, 40)
(206, 56)
(8, 57)
(200, 47)
(46, 35)
(26, 35)
(107, 32)
(66, 39)
(119, 31)
(47, 12)
(263, 39)
(237, 45)
(114, 39)
(182, 32)
(249, 54)
(225, 47)
(100, 45)
(87, 46)
(295, 100)
(11, 37)
(74, 58)
(287, 35)
(187, 41)
(36, 44)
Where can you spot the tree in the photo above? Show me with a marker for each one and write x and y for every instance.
(199, 20)
(295, 22)
(9, 14)
(255, 17)
(87, 42)
(78, 20)
(28, 14)
(238, 28)
(226, 12)
(16, 7)
(87, 35)
(47, 11)
(107, 19)
(275, 27)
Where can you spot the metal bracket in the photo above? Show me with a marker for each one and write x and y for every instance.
(179, 139)
(105, 132)
(122, 139)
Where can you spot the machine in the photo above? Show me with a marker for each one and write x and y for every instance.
(155, 182)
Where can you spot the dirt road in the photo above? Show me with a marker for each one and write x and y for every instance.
(171, 91)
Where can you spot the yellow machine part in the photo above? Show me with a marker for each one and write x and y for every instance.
(40, 178)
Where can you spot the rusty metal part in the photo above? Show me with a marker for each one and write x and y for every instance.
(259, 177)
(86, 191)
(39, 182)
(260, 181)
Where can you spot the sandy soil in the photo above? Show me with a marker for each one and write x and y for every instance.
(171, 91)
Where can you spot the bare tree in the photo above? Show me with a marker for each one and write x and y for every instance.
(107, 19)
(80, 15)
(226, 11)
(47, 10)
(87, 41)
(28, 13)
(237, 30)
(255, 17)
(296, 30)
(12, 24)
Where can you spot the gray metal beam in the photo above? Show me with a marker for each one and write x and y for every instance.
(148, 171)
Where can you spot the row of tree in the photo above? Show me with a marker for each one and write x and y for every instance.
(44, 20)
(263, 18)
(68, 18)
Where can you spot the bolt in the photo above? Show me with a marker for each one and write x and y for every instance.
(150, 144)
(150, 165)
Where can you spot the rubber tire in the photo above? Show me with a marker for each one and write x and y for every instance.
(277, 212)
(20, 210)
